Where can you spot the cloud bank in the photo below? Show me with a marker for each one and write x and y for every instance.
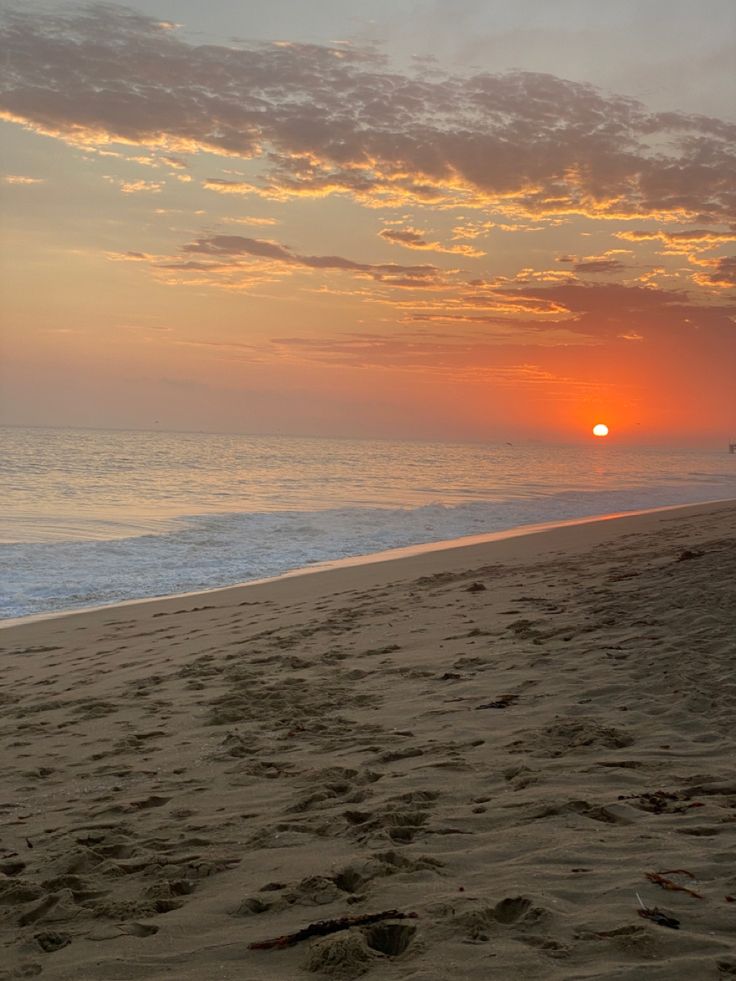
(322, 120)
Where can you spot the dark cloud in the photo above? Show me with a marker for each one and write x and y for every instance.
(405, 236)
(595, 263)
(233, 245)
(608, 309)
(337, 120)
(598, 266)
(601, 312)
(237, 245)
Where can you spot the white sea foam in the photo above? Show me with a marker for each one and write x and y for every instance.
(171, 513)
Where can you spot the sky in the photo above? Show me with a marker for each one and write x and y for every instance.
(465, 219)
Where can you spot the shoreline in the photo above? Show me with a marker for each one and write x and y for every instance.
(349, 562)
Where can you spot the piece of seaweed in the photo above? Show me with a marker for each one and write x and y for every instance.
(660, 879)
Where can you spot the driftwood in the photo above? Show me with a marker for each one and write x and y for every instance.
(324, 927)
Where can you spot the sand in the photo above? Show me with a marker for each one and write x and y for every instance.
(503, 739)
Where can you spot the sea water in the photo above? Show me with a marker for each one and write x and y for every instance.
(90, 517)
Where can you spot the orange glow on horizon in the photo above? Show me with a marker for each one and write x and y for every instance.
(392, 285)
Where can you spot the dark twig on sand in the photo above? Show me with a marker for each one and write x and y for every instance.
(657, 916)
(660, 918)
(324, 927)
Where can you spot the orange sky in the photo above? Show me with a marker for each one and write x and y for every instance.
(305, 237)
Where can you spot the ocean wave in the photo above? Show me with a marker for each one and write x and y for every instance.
(211, 550)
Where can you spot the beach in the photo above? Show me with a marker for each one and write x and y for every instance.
(525, 744)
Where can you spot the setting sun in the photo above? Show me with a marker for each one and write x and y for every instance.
(600, 429)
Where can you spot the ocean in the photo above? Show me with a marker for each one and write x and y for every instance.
(91, 517)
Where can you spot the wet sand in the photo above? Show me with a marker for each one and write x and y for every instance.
(503, 739)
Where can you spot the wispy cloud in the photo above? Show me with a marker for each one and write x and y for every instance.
(251, 220)
(20, 179)
(140, 187)
(235, 246)
(681, 242)
(414, 238)
(437, 353)
(224, 186)
(129, 257)
(606, 263)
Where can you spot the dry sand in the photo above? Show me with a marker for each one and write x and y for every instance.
(507, 760)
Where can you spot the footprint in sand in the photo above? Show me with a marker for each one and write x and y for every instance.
(50, 941)
(479, 924)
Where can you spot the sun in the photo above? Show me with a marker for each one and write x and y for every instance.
(600, 429)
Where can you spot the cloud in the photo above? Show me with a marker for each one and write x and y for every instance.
(129, 256)
(592, 313)
(235, 246)
(223, 186)
(413, 238)
(723, 275)
(335, 119)
(250, 220)
(681, 243)
(136, 187)
(144, 160)
(609, 310)
(436, 352)
(140, 187)
(176, 162)
(547, 307)
(693, 243)
(598, 266)
(474, 229)
(596, 263)
(20, 179)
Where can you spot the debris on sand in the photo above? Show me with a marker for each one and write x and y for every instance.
(324, 927)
